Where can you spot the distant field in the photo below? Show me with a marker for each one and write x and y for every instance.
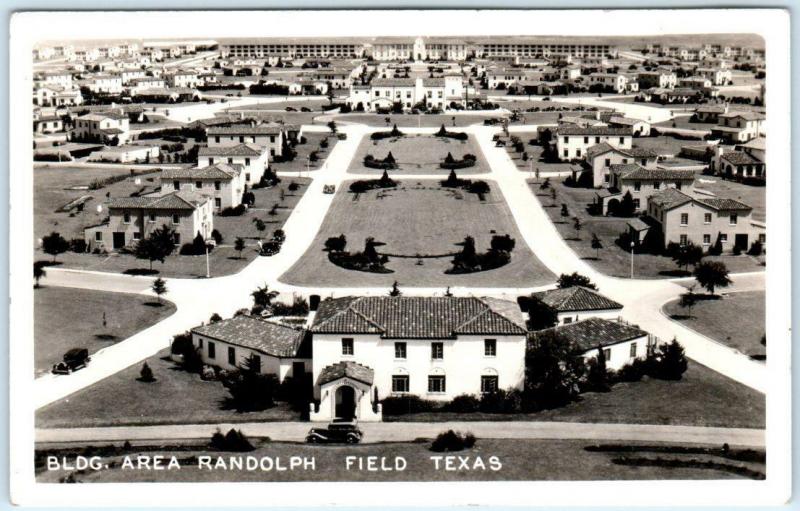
(418, 154)
(423, 120)
(417, 218)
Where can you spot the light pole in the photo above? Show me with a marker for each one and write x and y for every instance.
(308, 164)
(208, 265)
(632, 244)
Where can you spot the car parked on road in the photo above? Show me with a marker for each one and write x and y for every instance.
(336, 432)
(74, 359)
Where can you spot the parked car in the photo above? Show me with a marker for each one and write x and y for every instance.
(336, 432)
(305, 109)
(329, 189)
(74, 359)
(291, 109)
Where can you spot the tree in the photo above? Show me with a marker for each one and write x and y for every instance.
(541, 315)
(54, 244)
(238, 245)
(553, 369)
(395, 291)
(575, 279)
(38, 273)
(576, 224)
(716, 248)
(553, 195)
(711, 275)
(597, 372)
(626, 206)
(249, 389)
(260, 225)
(157, 246)
(688, 299)
(545, 184)
(596, 245)
(262, 297)
(504, 243)
(564, 211)
(332, 126)
(336, 243)
(159, 287)
(146, 374)
(669, 361)
(685, 255)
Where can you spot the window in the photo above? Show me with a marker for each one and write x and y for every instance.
(566, 153)
(217, 185)
(255, 363)
(578, 153)
(762, 238)
(176, 185)
(176, 219)
(621, 140)
(198, 185)
(437, 350)
(596, 140)
(637, 186)
(98, 236)
(399, 350)
(656, 185)
(241, 140)
(706, 239)
(217, 202)
(347, 346)
(247, 161)
(607, 354)
(723, 238)
(126, 217)
(585, 140)
(212, 350)
(230, 161)
(734, 218)
(633, 350)
(436, 384)
(566, 140)
(216, 139)
(608, 162)
(636, 203)
(490, 347)
(400, 383)
(488, 384)
(684, 218)
(232, 355)
(707, 218)
(211, 161)
(137, 235)
(684, 239)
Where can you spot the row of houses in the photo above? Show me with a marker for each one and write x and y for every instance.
(360, 350)
(155, 50)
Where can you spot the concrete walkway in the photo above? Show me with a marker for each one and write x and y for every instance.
(408, 431)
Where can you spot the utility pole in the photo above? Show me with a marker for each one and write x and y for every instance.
(632, 244)
(208, 266)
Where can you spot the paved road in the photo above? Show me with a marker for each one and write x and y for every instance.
(408, 431)
(197, 299)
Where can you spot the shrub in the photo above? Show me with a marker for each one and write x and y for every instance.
(249, 389)
(450, 441)
(217, 236)
(298, 307)
(501, 401)
(146, 374)
(632, 371)
(215, 318)
(234, 441)
(668, 362)
(756, 249)
(237, 211)
(410, 403)
(78, 245)
(575, 279)
(293, 186)
(465, 403)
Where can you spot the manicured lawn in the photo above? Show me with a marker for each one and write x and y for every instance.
(736, 319)
(175, 397)
(224, 260)
(51, 191)
(701, 398)
(301, 163)
(66, 318)
(411, 120)
(419, 217)
(418, 154)
(612, 259)
(313, 104)
(663, 144)
(535, 159)
(521, 460)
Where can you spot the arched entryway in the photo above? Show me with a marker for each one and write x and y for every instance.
(345, 402)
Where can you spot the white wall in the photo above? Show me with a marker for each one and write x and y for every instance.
(281, 367)
(621, 353)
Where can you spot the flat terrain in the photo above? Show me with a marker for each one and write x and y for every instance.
(612, 259)
(701, 398)
(753, 196)
(301, 162)
(537, 460)
(66, 318)
(175, 397)
(418, 154)
(224, 260)
(419, 217)
(736, 320)
(421, 120)
(663, 144)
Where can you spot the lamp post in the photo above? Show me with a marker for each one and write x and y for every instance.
(308, 164)
(208, 265)
(632, 244)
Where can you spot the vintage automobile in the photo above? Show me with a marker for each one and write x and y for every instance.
(74, 359)
(336, 432)
(329, 189)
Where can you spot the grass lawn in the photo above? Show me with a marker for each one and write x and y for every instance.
(224, 260)
(736, 320)
(521, 460)
(313, 104)
(52, 190)
(753, 196)
(701, 398)
(175, 397)
(613, 260)
(301, 163)
(413, 121)
(432, 221)
(418, 154)
(535, 159)
(66, 318)
(663, 144)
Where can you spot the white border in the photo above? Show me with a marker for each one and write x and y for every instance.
(771, 24)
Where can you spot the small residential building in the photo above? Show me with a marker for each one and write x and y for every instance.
(268, 346)
(681, 218)
(621, 343)
(572, 142)
(639, 127)
(744, 161)
(575, 303)
(103, 128)
(131, 219)
(61, 78)
(367, 348)
(641, 183)
(612, 82)
(46, 124)
(126, 154)
(104, 84)
(265, 135)
(710, 113)
(660, 79)
(602, 156)
(740, 127)
(183, 79)
(717, 76)
(253, 159)
(385, 93)
(128, 75)
(224, 184)
(146, 83)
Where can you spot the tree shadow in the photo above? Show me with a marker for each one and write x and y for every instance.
(46, 263)
(675, 273)
(590, 258)
(153, 304)
(105, 337)
(140, 271)
(679, 317)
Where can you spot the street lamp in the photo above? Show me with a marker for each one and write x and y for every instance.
(632, 245)
(208, 265)
(308, 164)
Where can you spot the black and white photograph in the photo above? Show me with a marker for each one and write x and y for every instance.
(432, 247)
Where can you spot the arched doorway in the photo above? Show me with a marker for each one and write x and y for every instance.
(345, 402)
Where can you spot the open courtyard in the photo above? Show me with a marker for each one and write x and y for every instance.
(417, 218)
